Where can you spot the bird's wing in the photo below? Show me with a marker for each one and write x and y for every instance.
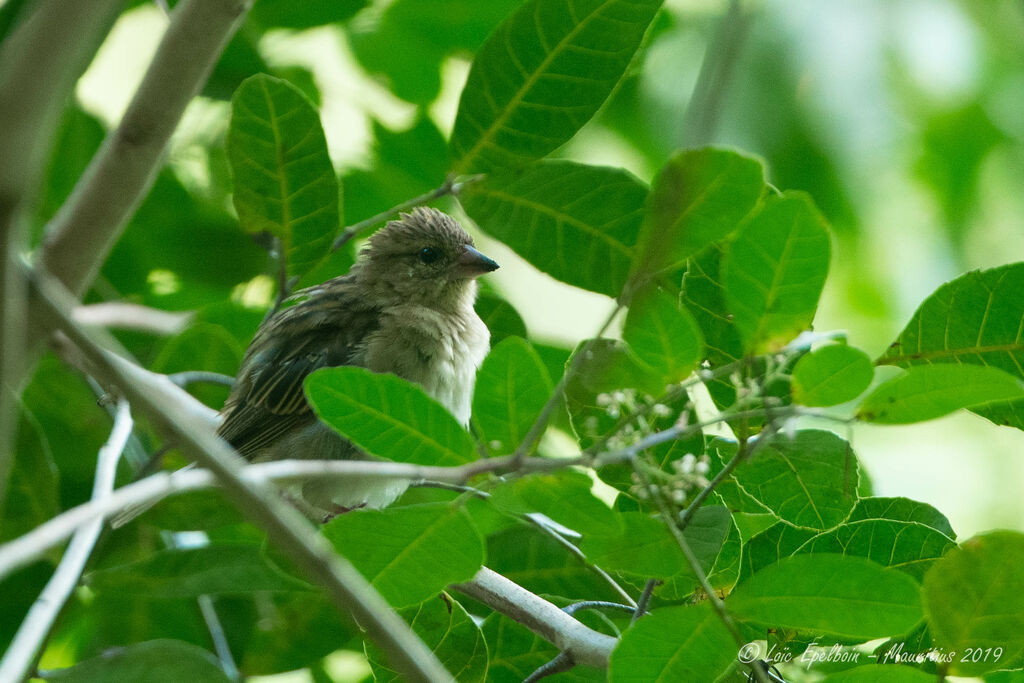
(267, 401)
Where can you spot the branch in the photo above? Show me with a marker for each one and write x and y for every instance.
(170, 410)
(125, 316)
(37, 624)
(449, 187)
(39, 63)
(583, 645)
(82, 233)
(716, 71)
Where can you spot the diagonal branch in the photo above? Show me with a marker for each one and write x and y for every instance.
(82, 233)
(169, 409)
(40, 61)
(37, 624)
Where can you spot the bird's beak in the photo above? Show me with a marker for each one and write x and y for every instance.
(471, 263)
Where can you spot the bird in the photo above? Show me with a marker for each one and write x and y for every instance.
(405, 307)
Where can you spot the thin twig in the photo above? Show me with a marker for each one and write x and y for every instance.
(449, 187)
(218, 637)
(184, 379)
(698, 571)
(645, 599)
(744, 451)
(561, 662)
(171, 410)
(40, 618)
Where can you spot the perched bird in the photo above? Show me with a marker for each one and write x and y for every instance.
(405, 307)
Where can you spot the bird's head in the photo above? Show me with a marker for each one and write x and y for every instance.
(424, 257)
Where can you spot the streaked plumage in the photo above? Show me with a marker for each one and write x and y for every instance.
(406, 307)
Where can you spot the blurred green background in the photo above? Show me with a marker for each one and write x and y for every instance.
(903, 118)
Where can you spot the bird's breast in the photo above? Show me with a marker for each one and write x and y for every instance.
(439, 351)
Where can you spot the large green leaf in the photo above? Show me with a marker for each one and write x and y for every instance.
(218, 569)
(977, 318)
(664, 336)
(541, 565)
(925, 392)
(32, 489)
(903, 510)
(698, 198)
(974, 599)
(774, 271)
(687, 643)
(448, 630)
(880, 673)
(541, 75)
(831, 375)
(154, 661)
(412, 553)
(645, 547)
(512, 387)
(565, 497)
(577, 223)
(388, 417)
(847, 597)
(907, 546)
(771, 545)
(808, 481)
(500, 317)
(284, 181)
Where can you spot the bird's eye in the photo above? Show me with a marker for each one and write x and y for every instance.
(429, 254)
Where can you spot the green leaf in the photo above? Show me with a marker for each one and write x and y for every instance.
(713, 537)
(847, 597)
(664, 336)
(880, 673)
(577, 223)
(645, 547)
(976, 319)
(512, 387)
(687, 643)
(541, 75)
(974, 599)
(500, 317)
(284, 181)
(388, 417)
(517, 652)
(412, 553)
(925, 392)
(775, 270)
(448, 630)
(698, 198)
(609, 365)
(154, 661)
(771, 545)
(808, 481)
(831, 375)
(217, 569)
(704, 296)
(903, 510)
(565, 497)
(907, 546)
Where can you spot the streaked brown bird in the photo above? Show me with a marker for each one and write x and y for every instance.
(405, 307)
